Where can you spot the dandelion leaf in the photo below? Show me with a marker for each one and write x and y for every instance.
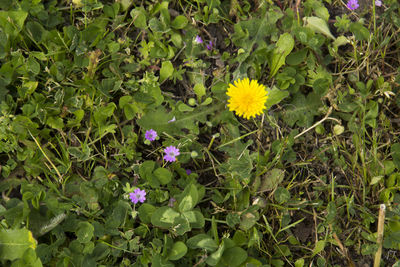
(318, 25)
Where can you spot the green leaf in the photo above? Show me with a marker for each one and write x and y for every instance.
(164, 217)
(283, 48)
(318, 25)
(202, 241)
(302, 110)
(248, 219)
(179, 22)
(14, 243)
(195, 218)
(166, 71)
(269, 181)
(319, 246)
(297, 57)
(360, 32)
(145, 212)
(163, 175)
(234, 256)
(215, 257)
(139, 17)
(12, 22)
(282, 195)
(178, 250)
(55, 122)
(85, 232)
(275, 96)
(199, 90)
(36, 31)
(189, 198)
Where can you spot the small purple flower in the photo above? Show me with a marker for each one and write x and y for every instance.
(188, 171)
(172, 120)
(352, 4)
(171, 202)
(209, 46)
(378, 3)
(138, 196)
(170, 153)
(150, 135)
(198, 40)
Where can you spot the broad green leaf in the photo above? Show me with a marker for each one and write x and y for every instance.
(248, 219)
(283, 48)
(166, 71)
(318, 25)
(139, 18)
(299, 263)
(322, 12)
(302, 110)
(269, 181)
(275, 96)
(179, 22)
(234, 256)
(13, 243)
(360, 32)
(163, 175)
(178, 250)
(36, 31)
(202, 241)
(319, 246)
(164, 217)
(195, 218)
(281, 195)
(215, 257)
(189, 198)
(145, 212)
(85, 232)
(55, 122)
(12, 21)
(200, 91)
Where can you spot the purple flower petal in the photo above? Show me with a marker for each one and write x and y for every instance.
(378, 3)
(170, 153)
(198, 39)
(352, 4)
(138, 196)
(209, 46)
(150, 135)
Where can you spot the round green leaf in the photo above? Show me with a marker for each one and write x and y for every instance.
(163, 175)
(85, 232)
(202, 241)
(234, 256)
(178, 250)
(164, 217)
(145, 212)
(179, 22)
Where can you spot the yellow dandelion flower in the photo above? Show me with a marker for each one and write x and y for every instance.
(247, 98)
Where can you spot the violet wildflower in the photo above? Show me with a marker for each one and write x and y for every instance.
(150, 135)
(378, 3)
(188, 171)
(352, 4)
(172, 120)
(137, 196)
(171, 202)
(209, 46)
(170, 153)
(198, 40)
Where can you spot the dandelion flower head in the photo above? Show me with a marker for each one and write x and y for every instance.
(247, 98)
(137, 196)
(170, 153)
